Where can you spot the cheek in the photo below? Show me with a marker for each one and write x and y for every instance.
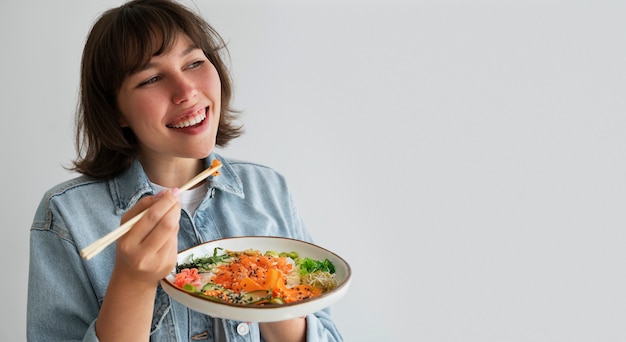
(216, 82)
(214, 85)
(124, 106)
(122, 121)
(138, 109)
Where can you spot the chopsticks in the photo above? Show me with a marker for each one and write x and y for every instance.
(98, 245)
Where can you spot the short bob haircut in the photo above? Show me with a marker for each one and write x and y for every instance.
(120, 43)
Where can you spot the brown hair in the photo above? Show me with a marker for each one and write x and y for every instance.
(121, 41)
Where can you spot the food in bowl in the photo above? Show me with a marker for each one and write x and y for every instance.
(254, 278)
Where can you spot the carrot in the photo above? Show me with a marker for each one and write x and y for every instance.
(249, 285)
(274, 279)
(215, 163)
(249, 273)
(254, 267)
(295, 293)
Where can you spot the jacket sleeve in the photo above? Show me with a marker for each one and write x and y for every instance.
(320, 327)
(61, 303)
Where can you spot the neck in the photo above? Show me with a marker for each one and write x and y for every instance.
(172, 173)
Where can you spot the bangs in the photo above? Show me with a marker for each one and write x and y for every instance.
(125, 39)
(140, 36)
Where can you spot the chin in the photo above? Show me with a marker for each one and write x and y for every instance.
(203, 154)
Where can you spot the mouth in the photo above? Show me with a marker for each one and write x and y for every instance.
(189, 120)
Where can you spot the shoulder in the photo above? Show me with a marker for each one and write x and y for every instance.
(249, 171)
(243, 178)
(81, 189)
(249, 166)
(75, 185)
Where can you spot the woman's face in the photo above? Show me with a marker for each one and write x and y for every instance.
(173, 104)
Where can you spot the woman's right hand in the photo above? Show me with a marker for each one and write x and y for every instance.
(143, 256)
(147, 252)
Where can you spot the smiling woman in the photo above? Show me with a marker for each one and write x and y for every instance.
(172, 105)
(154, 104)
(125, 60)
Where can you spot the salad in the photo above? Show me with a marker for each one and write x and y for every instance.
(252, 277)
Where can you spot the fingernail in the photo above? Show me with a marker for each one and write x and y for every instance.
(175, 191)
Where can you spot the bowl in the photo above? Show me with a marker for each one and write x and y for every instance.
(261, 313)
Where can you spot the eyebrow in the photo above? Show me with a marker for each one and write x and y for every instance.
(185, 52)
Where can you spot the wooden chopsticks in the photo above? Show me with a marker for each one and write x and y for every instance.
(98, 245)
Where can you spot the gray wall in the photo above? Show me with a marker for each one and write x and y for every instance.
(466, 157)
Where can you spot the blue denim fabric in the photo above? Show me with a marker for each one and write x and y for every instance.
(65, 291)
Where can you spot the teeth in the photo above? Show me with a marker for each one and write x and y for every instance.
(189, 121)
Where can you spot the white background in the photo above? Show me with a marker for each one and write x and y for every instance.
(466, 157)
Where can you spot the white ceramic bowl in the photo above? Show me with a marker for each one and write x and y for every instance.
(260, 313)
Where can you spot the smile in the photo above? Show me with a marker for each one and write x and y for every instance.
(190, 120)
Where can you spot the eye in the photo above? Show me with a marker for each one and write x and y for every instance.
(150, 81)
(195, 64)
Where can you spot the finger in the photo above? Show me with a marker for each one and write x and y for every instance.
(164, 231)
(157, 207)
(160, 246)
(141, 205)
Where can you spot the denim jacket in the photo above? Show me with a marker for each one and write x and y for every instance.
(65, 292)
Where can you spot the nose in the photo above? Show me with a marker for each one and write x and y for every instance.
(183, 89)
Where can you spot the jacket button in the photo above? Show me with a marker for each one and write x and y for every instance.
(243, 329)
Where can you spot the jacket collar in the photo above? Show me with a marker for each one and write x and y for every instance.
(132, 184)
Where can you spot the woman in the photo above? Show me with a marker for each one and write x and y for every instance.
(154, 103)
